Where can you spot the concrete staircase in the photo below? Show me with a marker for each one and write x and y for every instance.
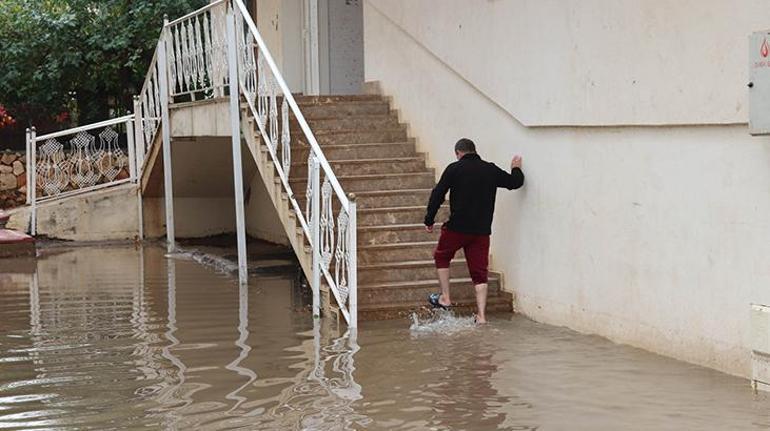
(372, 156)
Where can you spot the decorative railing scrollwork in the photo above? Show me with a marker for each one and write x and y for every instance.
(81, 159)
(326, 225)
(148, 112)
(197, 54)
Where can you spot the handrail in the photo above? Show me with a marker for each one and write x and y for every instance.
(146, 108)
(153, 63)
(74, 130)
(195, 12)
(294, 107)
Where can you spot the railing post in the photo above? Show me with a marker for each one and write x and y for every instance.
(166, 129)
(131, 149)
(139, 144)
(139, 149)
(235, 132)
(32, 184)
(352, 265)
(28, 155)
(315, 229)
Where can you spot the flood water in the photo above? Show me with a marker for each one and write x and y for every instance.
(121, 337)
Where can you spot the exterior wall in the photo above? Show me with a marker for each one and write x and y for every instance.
(194, 217)
(577, 62)
(293, 63)
(280, 24)
(210, 118)
(651, 236)
(262, 220)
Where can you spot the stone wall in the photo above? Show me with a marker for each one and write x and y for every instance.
(13, 179)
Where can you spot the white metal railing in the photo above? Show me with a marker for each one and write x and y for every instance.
(148, 112)
(197, 53)
(78, 160)
(332, 237)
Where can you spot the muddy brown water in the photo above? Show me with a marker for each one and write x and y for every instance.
(124, 338)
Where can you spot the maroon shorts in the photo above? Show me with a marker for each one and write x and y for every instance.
(476, 248)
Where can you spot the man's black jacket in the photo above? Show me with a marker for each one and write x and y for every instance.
(474, 184)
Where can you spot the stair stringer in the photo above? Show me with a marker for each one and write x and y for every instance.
(278, 195)
(151, 158)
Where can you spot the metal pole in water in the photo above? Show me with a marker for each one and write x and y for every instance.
(31, 186)
(34, 304)
(166, 129)
(235, 131)
(29, 166)
(315, 229)
(352, 265)
(139, 147)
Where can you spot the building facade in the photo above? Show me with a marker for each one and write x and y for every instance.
(643, 217)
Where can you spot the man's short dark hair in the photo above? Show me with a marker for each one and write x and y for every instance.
(465, 145)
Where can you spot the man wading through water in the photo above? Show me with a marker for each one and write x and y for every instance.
(473, 184)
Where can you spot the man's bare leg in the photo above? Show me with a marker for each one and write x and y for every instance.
(481, 302)
(443, 280)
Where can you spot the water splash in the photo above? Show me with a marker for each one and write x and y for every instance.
(218, 263)
(441, 322)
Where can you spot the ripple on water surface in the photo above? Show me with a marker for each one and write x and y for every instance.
(126, 338)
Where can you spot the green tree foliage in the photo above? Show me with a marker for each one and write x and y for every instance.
(82, 58)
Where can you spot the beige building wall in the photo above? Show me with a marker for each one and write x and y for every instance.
(654, 234)
(280, 24)
(580, 62)
(262, 219)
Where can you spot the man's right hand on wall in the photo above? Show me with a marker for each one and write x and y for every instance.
(516, 162)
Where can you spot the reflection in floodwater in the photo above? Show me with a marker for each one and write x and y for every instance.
(112, 340)
(124, 338)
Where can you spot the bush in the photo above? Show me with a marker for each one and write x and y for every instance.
(68, 62)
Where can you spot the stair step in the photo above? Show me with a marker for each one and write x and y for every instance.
(396, 215)
(348, 136)
(402, 310)
(347, 151)
(407, 271)
(358, 122)
(344, 108)
(418, 290)
(392, 233)
(398, 252)
(346, 131)
(337, 98)
(368, 166)
(356, 183)
(384, 198)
